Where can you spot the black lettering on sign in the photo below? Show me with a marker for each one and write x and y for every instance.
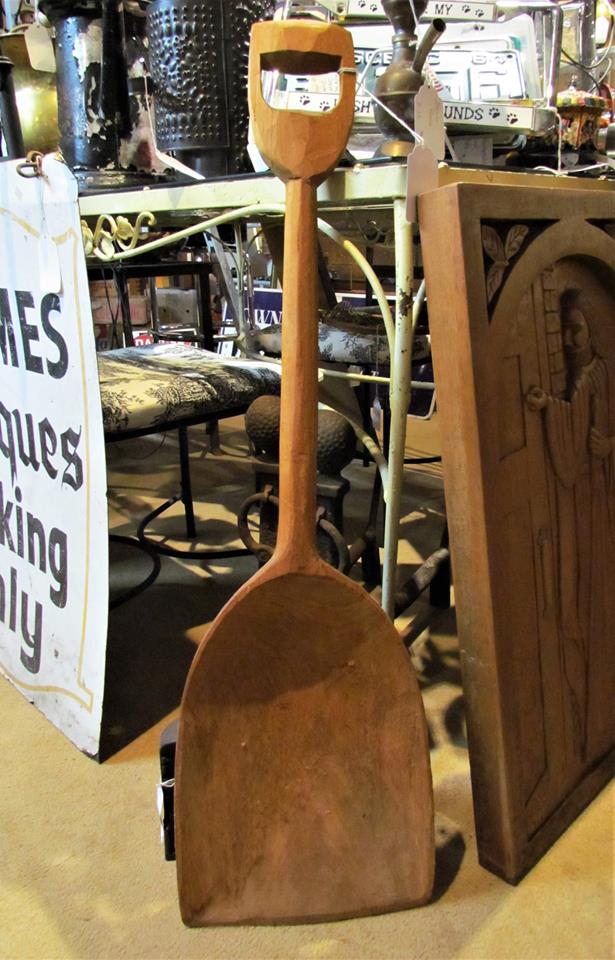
(28, 457)
(51, 304)
(56, 364)
(30, 653)
(73, 474)
(22, 533)
(7, 332)
(58, 567)
(49, 445)
(40, 451)
(6, 535)
(42, 551)
(28, 331)
(7, 440)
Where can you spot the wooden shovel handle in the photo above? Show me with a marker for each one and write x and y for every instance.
(296, 144)
(301, 148)
(296, 539)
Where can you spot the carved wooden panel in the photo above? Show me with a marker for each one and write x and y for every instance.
(521, 297)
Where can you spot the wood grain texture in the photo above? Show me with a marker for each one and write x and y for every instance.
(299, 144)
(304, 785)
(521, 297)
(303, 788)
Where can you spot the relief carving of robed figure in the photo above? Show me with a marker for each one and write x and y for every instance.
(580, 439)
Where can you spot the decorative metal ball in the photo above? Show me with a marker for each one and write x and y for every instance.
(336, 443)
(263, 426)
(336, 438)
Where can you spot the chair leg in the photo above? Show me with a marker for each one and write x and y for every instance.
(186, 484)
(440, 586)
(212, 432)
(185, 495)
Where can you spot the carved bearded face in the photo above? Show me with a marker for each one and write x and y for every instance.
(576, 336)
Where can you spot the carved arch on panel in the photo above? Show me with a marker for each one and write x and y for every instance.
(573, 237)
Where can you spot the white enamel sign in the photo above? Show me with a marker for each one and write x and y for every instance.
(453, 10)
(495, 116)
(53, 510)
(458, 10)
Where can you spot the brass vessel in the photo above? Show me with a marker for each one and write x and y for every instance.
(397, 87)
(35, 92)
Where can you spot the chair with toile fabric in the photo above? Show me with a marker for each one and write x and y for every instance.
(171, 387)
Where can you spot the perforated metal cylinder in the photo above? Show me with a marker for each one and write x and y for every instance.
(198, 60)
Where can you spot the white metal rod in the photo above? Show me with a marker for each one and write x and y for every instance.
(400, 392)
(373, 378)
(10, 8)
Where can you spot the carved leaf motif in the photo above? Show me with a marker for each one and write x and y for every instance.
(494, 279)
(492, 245)
(514, 240)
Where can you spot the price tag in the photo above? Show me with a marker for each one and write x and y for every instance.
(40, 48)
(429, 120)
(422, 176)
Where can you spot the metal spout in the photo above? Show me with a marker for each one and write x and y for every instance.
(435, 30)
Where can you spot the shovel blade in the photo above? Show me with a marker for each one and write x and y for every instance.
(303, 788)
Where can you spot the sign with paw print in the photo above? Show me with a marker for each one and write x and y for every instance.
(454, 10)
(451, 10)
(364, 9)
(494, 116)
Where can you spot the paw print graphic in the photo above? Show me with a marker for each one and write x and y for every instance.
(324, 106)
(466, 8)
(512, 117)
(373, 8)
(479, 14)
(495, 112)
(362, 4)
(304, 100)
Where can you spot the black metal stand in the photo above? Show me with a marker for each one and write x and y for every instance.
(185, 495)
(165, 268)
(149, 579)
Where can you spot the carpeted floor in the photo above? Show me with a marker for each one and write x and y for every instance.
(82, 869)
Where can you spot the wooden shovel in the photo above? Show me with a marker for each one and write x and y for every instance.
(303, 787)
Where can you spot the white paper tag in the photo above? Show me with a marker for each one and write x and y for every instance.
(165, 158)
(429, 120)
(40, 48)
(422, 176)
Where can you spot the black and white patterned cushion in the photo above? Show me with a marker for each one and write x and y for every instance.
(157, 385)
(336, 345)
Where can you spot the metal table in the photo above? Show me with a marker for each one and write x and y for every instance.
(358, 201)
